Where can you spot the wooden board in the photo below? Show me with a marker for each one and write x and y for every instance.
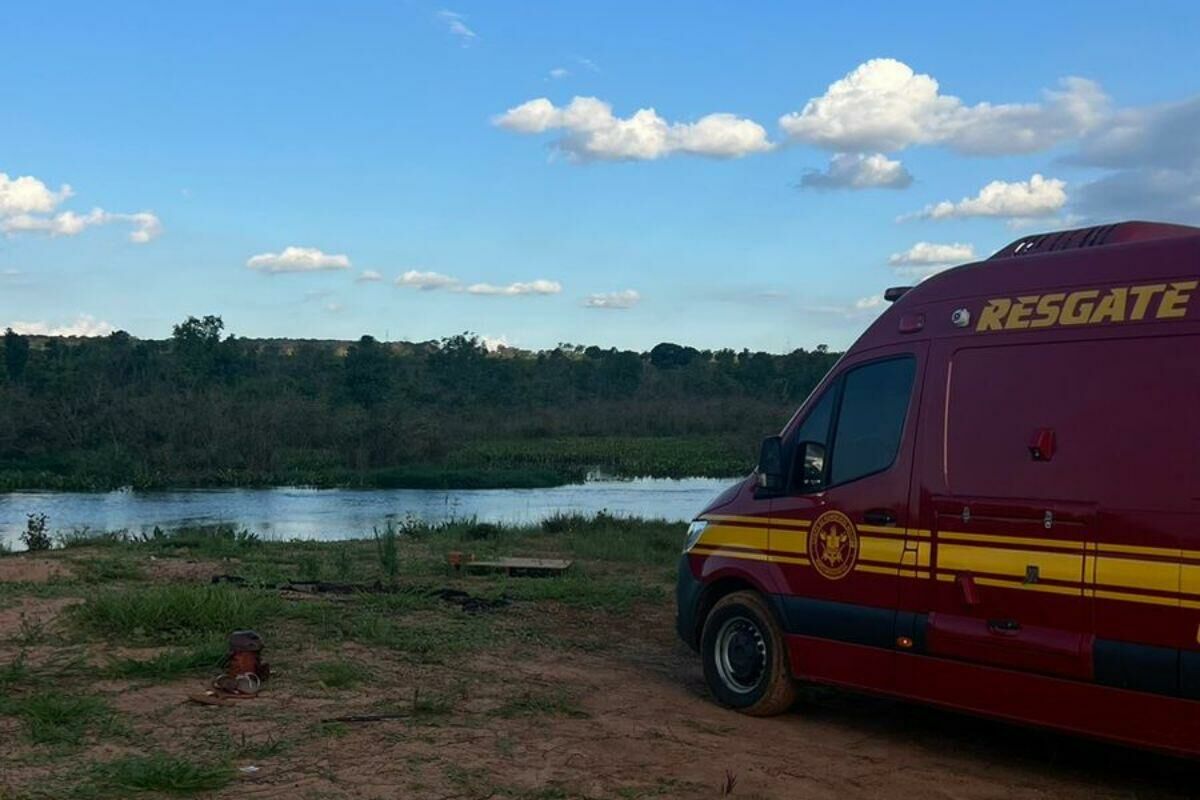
(522, 566)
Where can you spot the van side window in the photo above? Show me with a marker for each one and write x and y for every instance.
(870, 420)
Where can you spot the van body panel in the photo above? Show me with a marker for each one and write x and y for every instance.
(1024, 542)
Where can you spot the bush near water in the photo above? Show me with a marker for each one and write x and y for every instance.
(205, 409)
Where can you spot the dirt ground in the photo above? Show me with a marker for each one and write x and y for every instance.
(574, 703)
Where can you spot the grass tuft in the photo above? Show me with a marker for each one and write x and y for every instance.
(55, 718)
(174, 613)
(552, 704)
(170, 664)
(164, 774)
(340, 674)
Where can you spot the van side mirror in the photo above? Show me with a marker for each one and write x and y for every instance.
(810, 470)
(771, 473)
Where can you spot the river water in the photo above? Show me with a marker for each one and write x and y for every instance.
(296, 513)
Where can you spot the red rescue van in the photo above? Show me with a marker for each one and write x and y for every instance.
(991, 503)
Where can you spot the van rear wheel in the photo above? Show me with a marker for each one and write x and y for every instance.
(745, 658)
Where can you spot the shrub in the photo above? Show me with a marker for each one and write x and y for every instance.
(36, 537)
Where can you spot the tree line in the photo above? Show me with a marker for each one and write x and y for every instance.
(205, 408)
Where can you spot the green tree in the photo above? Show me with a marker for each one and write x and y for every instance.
(367, 376)
(16, 354)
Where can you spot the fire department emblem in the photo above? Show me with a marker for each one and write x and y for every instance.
(833, 545)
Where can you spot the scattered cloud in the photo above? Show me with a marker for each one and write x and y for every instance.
(457, 25)
(588, 64)
(495, 343)
(924, 254)
(924, 259)
(1154, 153)
(540, 286)
(884, 105)
(591, 132)
(28, 195)
(369, 276)
(298, 259)
(859, 171)
(868, 303)
(1018, 200)
(27, 205)
(433, 281)
(83, 325)
(146, 226)
(427, 281)
(613, 300)
(558, 73)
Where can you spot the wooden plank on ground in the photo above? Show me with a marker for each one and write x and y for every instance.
(522, 566)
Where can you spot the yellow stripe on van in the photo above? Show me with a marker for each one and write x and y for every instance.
(985, 539)
(1104, 547)
(738, 554)
(874, 548)
(1158, 576)
(969, 558)
(737, 535)
(1189, 579)
(791, 541)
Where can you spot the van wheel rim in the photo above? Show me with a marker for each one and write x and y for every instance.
(741, 655)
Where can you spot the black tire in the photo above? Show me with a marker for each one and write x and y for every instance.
(745, 658)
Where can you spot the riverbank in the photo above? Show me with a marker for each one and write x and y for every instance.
(505, 464)
(429, 683)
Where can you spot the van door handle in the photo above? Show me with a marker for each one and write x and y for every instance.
(879, 516)
(1003, 625)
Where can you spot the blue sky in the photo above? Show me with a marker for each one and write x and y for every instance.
(412, 138)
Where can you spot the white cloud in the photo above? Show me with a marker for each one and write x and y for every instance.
(613, 300)
(83, 325)
(885, 105)
(427, 281)
(146, 226)
(558, 73)
(871, 303)
(1155, 155)
(925, 254)
(494, 344)
(1018, 200)
(588, 64)
(540, 286)
(369, 276)
(924, 259)
(457, 25)
(28, 195)
(592, 132)
(859, 171)
(298, 259)
(431, 281)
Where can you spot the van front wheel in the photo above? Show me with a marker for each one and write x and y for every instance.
(745, 658)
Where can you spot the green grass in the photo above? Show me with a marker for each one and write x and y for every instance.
(341, 674)
(174, 613)
(107, 570)
(55, 718)
(549, 704)
(580, 589)
(170, 664)
(163, 774)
